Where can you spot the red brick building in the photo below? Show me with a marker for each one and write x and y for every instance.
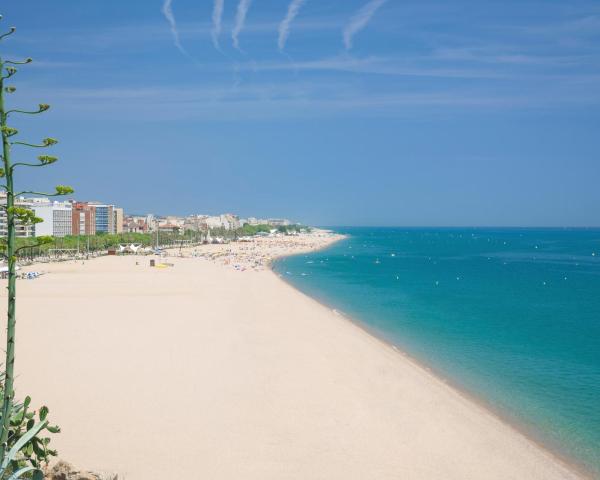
(84, 219)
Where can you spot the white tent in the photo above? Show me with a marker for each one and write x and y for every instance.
(5, 269)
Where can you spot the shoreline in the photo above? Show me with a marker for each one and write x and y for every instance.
(280, 387)
(529, 434)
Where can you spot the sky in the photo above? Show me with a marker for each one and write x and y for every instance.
(328, 112)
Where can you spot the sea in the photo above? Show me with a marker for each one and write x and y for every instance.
(511, 316)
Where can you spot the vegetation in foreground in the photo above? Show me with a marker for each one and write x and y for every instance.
(22, 447)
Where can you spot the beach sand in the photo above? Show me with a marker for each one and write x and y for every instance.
(203, 371)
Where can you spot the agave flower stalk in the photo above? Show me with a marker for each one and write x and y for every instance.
(15, 214)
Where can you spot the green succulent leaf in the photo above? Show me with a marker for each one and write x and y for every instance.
(21, 473)
(43, 413)
(10, 89)
(39, 451)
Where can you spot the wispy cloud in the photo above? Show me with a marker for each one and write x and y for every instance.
(360, 21)
(217, 16)
(167, 11)
(295, 100)
(284, 26)
(240, 20)
(512, 55)
(378, 66)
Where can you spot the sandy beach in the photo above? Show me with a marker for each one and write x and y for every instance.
(215, 368)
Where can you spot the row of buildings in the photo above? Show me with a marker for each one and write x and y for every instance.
(196, 223)
(90, 218)
(65, 218)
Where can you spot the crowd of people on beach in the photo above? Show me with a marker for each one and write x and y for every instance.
(261, 251)
(252, 254)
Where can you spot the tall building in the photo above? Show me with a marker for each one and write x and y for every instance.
(83, 220)
(151, 222)
(57, 218)
(105, 222)
(118, 220)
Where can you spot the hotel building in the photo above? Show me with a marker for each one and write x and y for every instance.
(105, 222)
(83, 219)
(57, 218)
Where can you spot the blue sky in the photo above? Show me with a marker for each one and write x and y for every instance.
(361, 112)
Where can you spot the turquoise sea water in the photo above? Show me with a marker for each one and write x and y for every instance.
(510, 315)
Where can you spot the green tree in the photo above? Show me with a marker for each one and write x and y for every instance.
(16, 214)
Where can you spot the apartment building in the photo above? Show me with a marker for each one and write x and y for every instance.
(118, 219)
(105, 222)
(57, 218)
(83, 219)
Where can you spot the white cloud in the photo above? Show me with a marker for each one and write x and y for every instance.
(217, 17)
(240, 20)
(167, 11)
(284, 26)
(360, 21)
(379, 66)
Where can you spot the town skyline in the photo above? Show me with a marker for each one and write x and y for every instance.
(60, 218)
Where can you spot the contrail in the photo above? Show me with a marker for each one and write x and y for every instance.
(168, 13)
(284, 26)
(217, 15)
(240, 19)
(360, 20)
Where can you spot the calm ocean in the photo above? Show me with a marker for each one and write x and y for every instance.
(510, 315)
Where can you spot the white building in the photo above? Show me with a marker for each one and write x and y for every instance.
(277, 222)
(57, 218)
(20, 229)
(213, 222)
(228, 221)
